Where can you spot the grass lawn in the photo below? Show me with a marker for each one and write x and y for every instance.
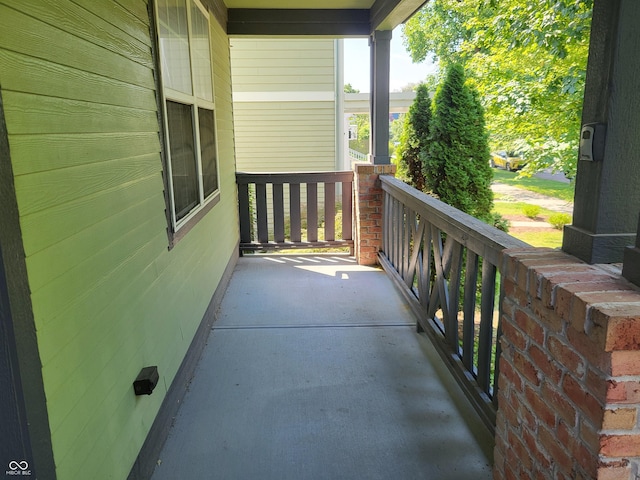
(563, 191)
(546, 238)
(537, 237)
(515, 208)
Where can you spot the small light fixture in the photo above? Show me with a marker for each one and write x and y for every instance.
(146, 381)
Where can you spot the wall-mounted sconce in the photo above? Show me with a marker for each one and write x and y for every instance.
(146, 381)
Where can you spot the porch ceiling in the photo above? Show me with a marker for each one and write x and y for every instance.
(298, 4)
(337, 18)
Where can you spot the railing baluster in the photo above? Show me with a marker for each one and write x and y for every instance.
(244, 213)
(397, 229)
(416, 236)
(409, 217)
(278, 212)
(312, 212)
(329, 211)
(464, 234)
(451, 326)
(294, 212)
(347, 202)
(261, 211)
(485, 346)
(424, 286)
(468, 323)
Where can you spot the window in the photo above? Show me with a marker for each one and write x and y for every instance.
(189, 113)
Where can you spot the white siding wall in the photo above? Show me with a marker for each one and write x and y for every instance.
(284, 104)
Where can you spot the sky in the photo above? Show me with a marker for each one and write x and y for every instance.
(403, 70)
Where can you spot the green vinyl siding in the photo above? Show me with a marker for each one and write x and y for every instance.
(108, 295)
(295, 129)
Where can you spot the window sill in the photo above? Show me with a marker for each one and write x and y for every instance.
(175, 237)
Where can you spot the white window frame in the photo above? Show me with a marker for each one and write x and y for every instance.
(168, 94)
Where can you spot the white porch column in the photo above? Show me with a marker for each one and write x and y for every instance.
(380, 43)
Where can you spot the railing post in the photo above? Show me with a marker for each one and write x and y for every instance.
(631, 266)
(368, 211)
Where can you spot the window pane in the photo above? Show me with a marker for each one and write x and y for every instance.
(208, 151)
(201, 55)
(184, 171)
(174, 45)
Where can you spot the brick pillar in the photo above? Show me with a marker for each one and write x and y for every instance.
(569, 372)
(368, 210)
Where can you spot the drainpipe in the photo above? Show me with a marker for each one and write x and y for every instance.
(380, 44)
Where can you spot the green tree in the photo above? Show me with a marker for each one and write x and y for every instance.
(456, 163)
(348, 88)
(361, 121)
(526, 59)
(414, 137)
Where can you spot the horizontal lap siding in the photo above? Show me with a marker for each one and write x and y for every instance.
(274, 136)
(108, 296)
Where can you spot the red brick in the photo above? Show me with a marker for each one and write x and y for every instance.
(521, 452)
(539, 407)
(565, 355)
(526, 416)
(620, 445)
(529, 326)
(547, 317)
(587, 459)
(514, 335)
(584, 400)
(539, 457)
(522, 277)
(510, 416)
(559, 403)
(596, 383)
(623, 392)
(623, 334)
(510, 374)
(550, 281)
(590, 346)
(589, 435)
(526, 368)
(509, 287)
(559, 455)
(544, 363)
(625, 363)
(550, 276)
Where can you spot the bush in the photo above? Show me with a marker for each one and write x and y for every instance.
(559, 220)
(499, 222)
(531, 211)
(413, 139)
(456, 163)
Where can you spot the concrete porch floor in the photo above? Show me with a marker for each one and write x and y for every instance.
(313, 370)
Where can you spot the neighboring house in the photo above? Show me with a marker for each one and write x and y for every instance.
(288, 102)
(290, 109)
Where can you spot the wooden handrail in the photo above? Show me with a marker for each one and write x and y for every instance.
(446, 262)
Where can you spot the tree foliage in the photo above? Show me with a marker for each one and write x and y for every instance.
(414, 137)
(361, 121)
(526, 59)
(456, 163)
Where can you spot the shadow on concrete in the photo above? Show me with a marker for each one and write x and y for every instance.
(313, 370)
